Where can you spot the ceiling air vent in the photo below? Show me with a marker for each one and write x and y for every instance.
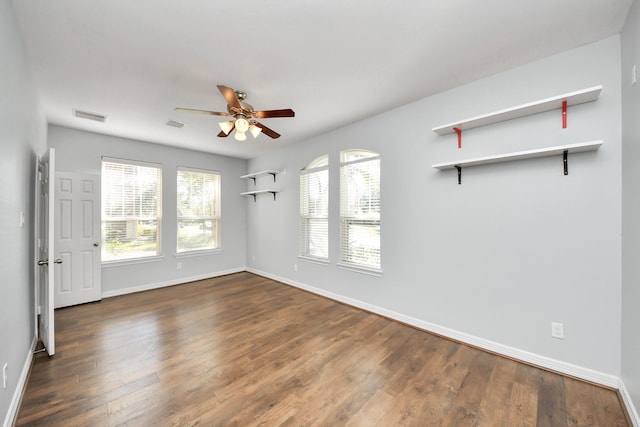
(89, 116)
(175, 124)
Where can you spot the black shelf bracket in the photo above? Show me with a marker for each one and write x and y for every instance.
(274, 192)
(254, 179)
(565, 162)
(459, 174)
(273, 174)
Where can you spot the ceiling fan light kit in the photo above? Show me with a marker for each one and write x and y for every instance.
(255, 130)
(240, 136)
(226, 127)
(242, 124)
(244, 116)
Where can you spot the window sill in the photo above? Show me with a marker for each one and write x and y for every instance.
(202, 252)
(131, 261)
(361, 269)
(313, 260)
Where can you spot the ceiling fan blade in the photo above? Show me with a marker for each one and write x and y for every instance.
(269, 132)
(230, 95)
(224, 135)
(266, 114)
(211, 113)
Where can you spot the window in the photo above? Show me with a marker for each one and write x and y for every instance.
(314, 209)
(198, 204)
(131, 209)
(360, 209)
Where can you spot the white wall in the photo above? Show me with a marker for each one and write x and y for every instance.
(79, 151)
(631, 206)
(515, 247)
(22, 138)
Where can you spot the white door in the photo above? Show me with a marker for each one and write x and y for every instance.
(46, 253)
(77, 234)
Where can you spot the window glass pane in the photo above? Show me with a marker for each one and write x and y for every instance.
(198, 207)
(131, 200)
(197, 234)
(360, 208)
(352, 155)
(314, 209)
(361, 189)
(318, 162)
(361, 243)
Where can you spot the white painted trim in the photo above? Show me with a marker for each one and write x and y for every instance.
(150, 286)
(314, 260)
(522, 355)
(628, 403)
(22, 384)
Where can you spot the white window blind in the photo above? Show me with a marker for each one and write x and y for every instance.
(314, 209)
(198, 207)
(131, 209)
(360, 209)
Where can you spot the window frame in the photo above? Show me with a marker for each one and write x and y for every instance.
(130, 218)
(348, 219)
(216, 218)
(320, 165)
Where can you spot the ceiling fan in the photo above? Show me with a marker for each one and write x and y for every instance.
(244, 116)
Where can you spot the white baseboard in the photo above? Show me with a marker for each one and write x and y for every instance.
(628, 403)
(150, 286)
(22, 383)
(525, 356)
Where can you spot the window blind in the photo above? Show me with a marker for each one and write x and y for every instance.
(360, 209)
(131, 210)
(314, 209)
(198, 207)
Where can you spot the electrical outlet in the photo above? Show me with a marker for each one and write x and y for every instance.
(295, 267)
(557, 330)
(179, 266)
(633, 74)
(4, 375)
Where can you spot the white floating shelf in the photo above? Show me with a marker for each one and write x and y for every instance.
(548, 104)
(520, 155)
(255, 175)
(254, 193)
(251, 193)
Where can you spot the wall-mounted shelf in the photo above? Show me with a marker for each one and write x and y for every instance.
(255, 175)
(520, 155)
(548, 104)
(254, 193)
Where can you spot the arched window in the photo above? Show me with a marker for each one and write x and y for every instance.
(314, 209)
(360, 209)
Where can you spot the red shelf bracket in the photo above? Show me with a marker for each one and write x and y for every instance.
(459, 132)
(564, 114)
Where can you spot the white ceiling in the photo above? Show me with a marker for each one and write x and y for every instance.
(332, 61)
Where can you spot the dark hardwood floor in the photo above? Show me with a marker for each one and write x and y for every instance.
(242, 350)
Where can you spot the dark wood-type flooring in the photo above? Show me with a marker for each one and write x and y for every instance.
(242, 350)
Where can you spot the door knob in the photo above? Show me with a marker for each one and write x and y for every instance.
(43, 262)
(96, 244)
(58, 261)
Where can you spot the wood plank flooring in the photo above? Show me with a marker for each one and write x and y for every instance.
(242, 350)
